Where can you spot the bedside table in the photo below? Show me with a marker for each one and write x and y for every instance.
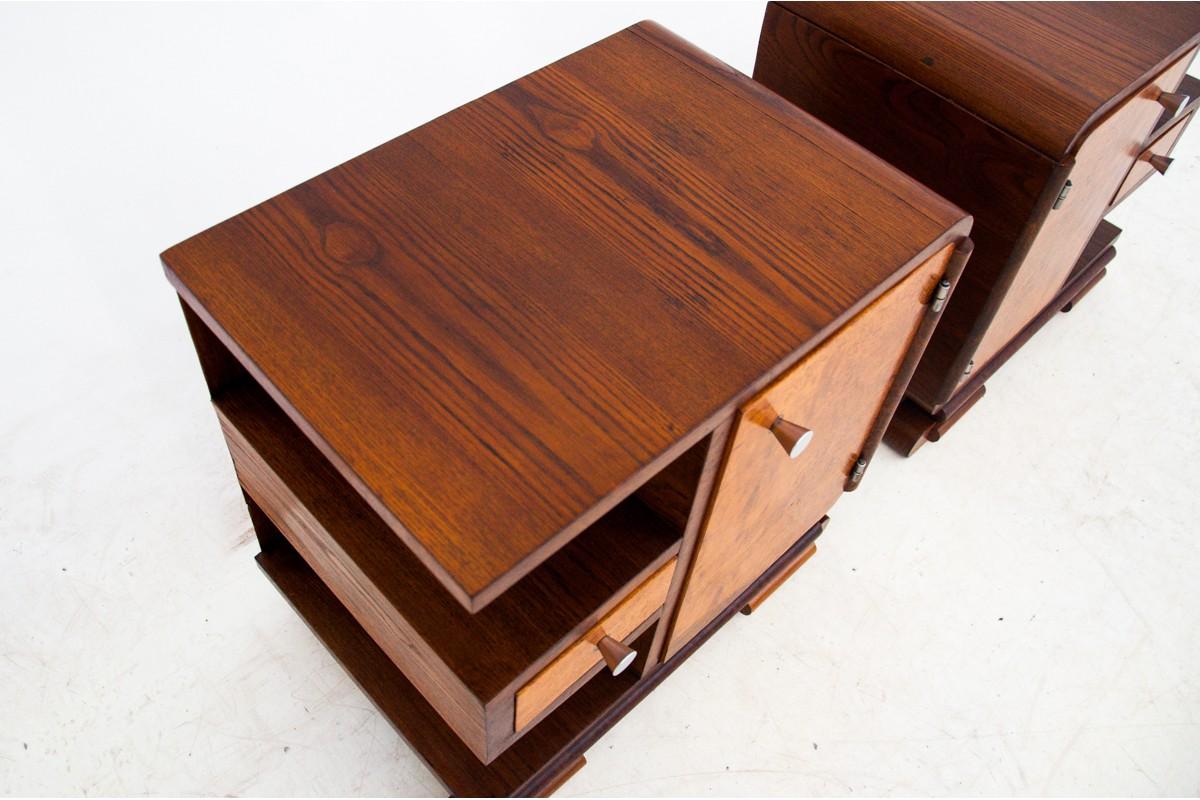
(1037, 118)
(528, 401)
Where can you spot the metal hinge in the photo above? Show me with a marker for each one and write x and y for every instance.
(939, 295)
(856, 472)
(1062, 195)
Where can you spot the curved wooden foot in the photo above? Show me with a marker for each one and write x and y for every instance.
(913, 426)
(568, 772)
(1105, 257)
(769, 589)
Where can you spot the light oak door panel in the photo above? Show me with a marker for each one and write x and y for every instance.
(765, 501)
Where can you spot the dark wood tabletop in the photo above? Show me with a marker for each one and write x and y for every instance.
(1044, 72)
(496, 325)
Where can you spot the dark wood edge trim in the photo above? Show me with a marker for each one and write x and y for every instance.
(941, 426)
(514, 735)
(714, 464)
(1102, 113)
(913, 426)
(954, 270)
(479, 600)
(1041, 209)
(1181, 121)
(1081, 281)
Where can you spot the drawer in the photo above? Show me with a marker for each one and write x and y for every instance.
(537, 637)
(554, 683)
(1156, 156)
(821, 411)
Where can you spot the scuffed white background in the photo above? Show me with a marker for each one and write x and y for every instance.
(1016, 610)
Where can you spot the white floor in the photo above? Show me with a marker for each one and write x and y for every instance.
(1014, 611)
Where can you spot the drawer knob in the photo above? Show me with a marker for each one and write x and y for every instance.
(1173, 101)
(1160, 163)
(793, 437)
(617, 655)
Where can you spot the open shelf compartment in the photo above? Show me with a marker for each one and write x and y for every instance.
(468, 666)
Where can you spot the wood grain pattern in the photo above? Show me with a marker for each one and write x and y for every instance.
(1100, 166)
(464, 664)
(549, 685)
(1188, 87)
(706, 484)
(801, 559)
(967, 159)
(990, 105)
(1163, 144)
(539, 300)
(765, 501)
(1046, 72)
(537, 762)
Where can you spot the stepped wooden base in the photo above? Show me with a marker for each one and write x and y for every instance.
(542, 760)
(913, 426)
(799, 561)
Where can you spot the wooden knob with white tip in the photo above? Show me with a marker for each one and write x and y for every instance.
(793, 437)
(617, 655)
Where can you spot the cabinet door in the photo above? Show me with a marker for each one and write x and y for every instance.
(765, 501)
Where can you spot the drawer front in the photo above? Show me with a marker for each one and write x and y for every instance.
(766, 500)
(552, 684)
(1148, 161)
(1103, 160)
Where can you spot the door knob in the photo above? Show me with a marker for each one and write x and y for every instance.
(617, 655)
(793, 437)
(1173, 101)
(1160, 163)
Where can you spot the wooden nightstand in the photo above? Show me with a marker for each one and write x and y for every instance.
(1037, 118)
(553, 385)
